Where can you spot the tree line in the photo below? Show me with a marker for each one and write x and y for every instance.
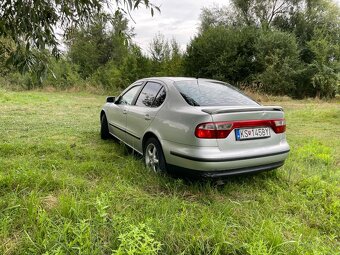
(272, 46)
(289, 47)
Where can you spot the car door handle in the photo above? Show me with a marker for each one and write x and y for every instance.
(124, 111)
(147, 117)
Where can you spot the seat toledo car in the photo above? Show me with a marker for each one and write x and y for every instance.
(196, 126)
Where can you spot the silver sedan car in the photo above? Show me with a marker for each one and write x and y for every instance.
(196, 126)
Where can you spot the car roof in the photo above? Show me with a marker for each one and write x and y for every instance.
(171, 78)
(176, 79)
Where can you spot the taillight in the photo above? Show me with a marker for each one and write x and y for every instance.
(210, 130)
(213, 130)
(279, 126)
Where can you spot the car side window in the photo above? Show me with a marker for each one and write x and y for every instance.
(148, 94)
(128, 97)
(159, 98)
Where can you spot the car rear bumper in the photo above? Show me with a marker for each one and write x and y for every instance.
(224, 173)
(211, 159)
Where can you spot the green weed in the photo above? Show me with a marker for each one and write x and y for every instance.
(138, 240)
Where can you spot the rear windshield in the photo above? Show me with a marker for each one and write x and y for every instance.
(209, 93)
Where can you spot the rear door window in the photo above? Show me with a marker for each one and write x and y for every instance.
(208, 93)
(148, 94)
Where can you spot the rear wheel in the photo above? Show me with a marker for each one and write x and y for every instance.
(104, 128)
(153, 155)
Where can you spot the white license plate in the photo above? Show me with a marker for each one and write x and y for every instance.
(252, 133)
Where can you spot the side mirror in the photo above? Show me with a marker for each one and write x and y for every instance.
(110, 99)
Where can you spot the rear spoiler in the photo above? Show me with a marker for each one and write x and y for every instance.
(242, 109)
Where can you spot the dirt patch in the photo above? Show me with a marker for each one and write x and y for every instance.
(49, 202)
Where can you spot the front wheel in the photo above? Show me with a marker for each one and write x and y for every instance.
(153, 155)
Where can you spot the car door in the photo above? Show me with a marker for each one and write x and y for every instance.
(117, 112)
(144, 110)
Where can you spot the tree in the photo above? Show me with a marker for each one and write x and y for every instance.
(166, 56)
(326, 65)
(223, 53)
(262, 13)
(33, 24)
(277, 56)
(94, 45)
(216, 17)
(174, 67)
(135, 65)
(160, 51)
(159, 48)
(259, 13)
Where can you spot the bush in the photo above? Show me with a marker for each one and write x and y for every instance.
(109, 77)
(62, 74)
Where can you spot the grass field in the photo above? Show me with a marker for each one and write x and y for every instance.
(65, 191)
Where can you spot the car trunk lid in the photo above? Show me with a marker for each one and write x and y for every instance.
(248, 118)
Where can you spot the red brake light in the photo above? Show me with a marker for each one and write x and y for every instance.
(210, 130)
(213, 130)
(279, 126)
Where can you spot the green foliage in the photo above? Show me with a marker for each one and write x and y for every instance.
(223, 53)
(174, 66)
(326, 65)
(215, 17)
(100, 54)
(262, 13)
(33, 24)
(136, 65)
(166, 57)
(101, 58)
(112, 76)
(106, 58)
(277, 56)
(6, 48)
(139, 240)
(159, 49)
(109, 76)
(63, 74)
(279, 47)
(95, 45)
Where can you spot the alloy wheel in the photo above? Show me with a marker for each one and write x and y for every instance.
(151, 157)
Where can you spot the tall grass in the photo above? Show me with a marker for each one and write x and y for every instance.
(65, 191)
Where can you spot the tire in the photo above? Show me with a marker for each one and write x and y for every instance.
(104, 128)
(153, 156)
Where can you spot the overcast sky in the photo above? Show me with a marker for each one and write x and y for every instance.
(178, 19)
